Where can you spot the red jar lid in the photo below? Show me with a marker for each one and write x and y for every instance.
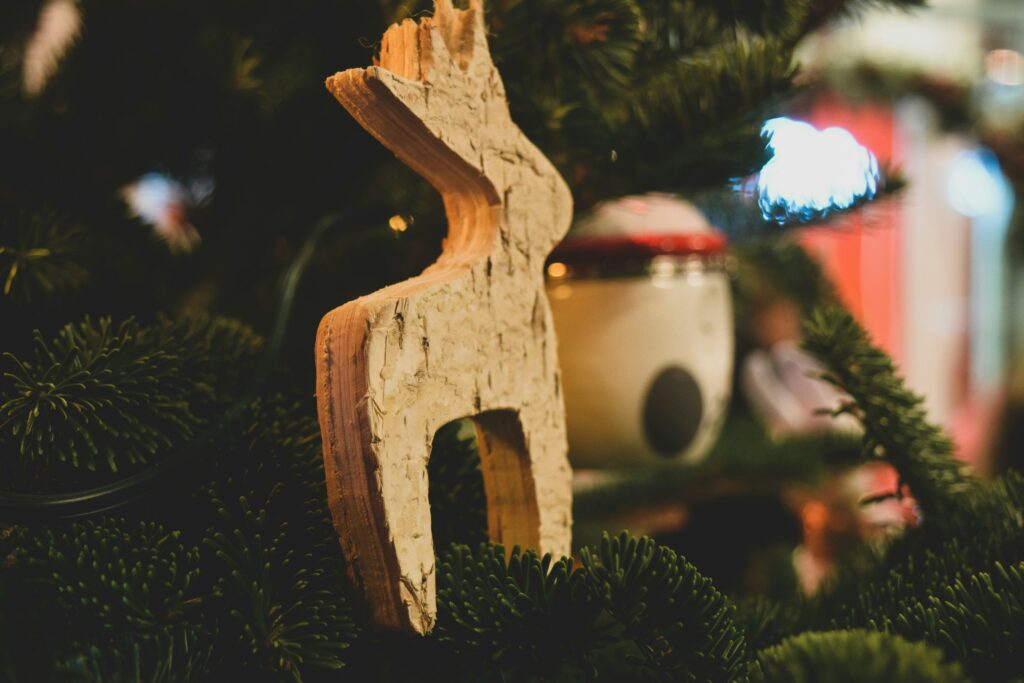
(612, 248)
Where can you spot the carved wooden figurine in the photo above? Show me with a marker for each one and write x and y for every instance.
(471, 336)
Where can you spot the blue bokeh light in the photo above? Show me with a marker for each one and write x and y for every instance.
(813, 172)
(977, 186)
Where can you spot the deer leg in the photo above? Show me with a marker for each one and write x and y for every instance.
(522, 457)
(376, 472)
(512, 514)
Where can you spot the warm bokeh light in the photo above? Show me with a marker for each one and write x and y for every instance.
(1005, 67)
(398, 223)
(557, 269)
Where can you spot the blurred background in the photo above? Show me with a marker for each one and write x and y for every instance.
(932, 268)
(940, 95)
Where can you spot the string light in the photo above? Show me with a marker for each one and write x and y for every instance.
(398, 223)
(557, 270)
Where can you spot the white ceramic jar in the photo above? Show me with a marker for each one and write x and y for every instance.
(643, 312)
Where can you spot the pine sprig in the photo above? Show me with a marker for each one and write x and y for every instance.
(116, 600)
(634, 610)
(682, 626)
(153, 658)
(281, 579)
(958, 589)
(896, 428)
(974, 616)
(104, 396)
(631, 95)
(524, 614)
(288, 616)
(41, 255)
(458, 506)
(854, 656)
(766, 17)
(96, 396)
(115, 575)
(954, 581)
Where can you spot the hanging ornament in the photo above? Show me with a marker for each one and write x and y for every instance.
(470, 337)
(643, 313)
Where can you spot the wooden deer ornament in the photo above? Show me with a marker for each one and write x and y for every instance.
(471, 336)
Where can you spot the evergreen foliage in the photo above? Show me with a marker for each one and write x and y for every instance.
(106, 395)
(111, 600)
(780, 267)
(895, 425)
(458, 507)
(96, 395)
(854, 656)
(245, 576)
(524, 616)
(634, 610)
(630, 96)
(40, 255)
(681, 626)
(280, 582)
(955, 580)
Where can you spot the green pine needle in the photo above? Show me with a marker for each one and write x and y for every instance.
(458, 505)
(682, 626)
(854, 657)
(634, 610)
(114, 600)
(104, 396)
(41, 255)
(896, 428)
(955, 581)
(281, 576)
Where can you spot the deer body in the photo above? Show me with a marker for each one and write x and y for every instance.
(470, 337)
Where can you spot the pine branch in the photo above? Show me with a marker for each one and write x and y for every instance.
(157, 658)
(114, 575)
(106, 396)
(96, 396)
(625, 95)
(777, 266)
(281, 581)
(41, 255)
(766, 17)
(458, 506)
(524, 615)
(114, 600)
(896, 428)
(679, 621)
(695, 121)
(956, 580)
(261, 593)
(824, 11)
(963, 596)
(593, 43)
(634, 610)
(282, 603)
(853, 657)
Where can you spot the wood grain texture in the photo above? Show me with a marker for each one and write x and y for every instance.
(471, 336)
